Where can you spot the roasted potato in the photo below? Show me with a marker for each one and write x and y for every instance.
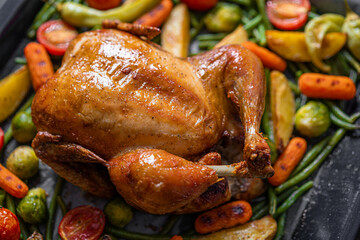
(175, 37)
(13, 89)
(282, 108)
(246, 188)
(262, 229)
(292, 46)
(238, 36)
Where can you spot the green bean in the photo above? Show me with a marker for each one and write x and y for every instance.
(10, 204)
(297, 103)
(257, 35)
(285, 195)
(273, 151)
(303, 67)
(62, 205)
(252, 13)
(345, 69)
(311, 155)
(280, 227)
(353, 75)
(353, 62)
(293, 197)
(20, 60)
(193, 20)
(253, 23)
(211, 37)
(355, 117)
(303, 100)
(294, 87)
(337, 111)
(261, 9)
(272, 200)
(312, 15)
(262, 40)
(261, 213)
(292, 67)
(195, 31)
(312, 167)
(169, 225)
(246, 3)
(207, 44)
(52, 209)
(245, 19)
(258, 206)
(134, 236)
(298, 74)
(313, 68)
(2, 197)
(340, 123)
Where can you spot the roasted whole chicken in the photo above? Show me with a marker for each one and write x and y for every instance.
(123, 113)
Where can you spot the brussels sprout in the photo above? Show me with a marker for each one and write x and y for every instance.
(312, 119)
(224, 17)
(23, 162)
(32, 208)
(118, 213)
(23, 127)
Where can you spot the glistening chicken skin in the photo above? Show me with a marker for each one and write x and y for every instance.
(124, 103)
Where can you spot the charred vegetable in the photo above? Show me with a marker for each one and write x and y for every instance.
(32, 208)
(118, 213)
(312, 119)
(23, 162)
(315, 31)
(223, 18)
(23, 127)
(352, 28)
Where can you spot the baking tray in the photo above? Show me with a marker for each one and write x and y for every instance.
(330, 210)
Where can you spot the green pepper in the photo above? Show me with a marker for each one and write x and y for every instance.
(83, 16)
(225, 17)
(352, 28)
(312, 119)
(32, 208)
(315, 31)
(23, 127)
(118, 213)
(23, 162)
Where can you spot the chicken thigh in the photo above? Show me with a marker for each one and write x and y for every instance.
(122, 103)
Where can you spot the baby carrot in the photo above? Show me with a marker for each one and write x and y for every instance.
(226, 216)
(157, 15)
(12, 184)
(176, 238)
(288, 160)
(318, 85)
(268, 58)
(39, 63)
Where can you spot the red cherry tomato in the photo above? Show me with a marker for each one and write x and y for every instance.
(84, 222)
(200, 5)
(103, 4)
(55, 36)
(288, 14)
(9, 225)
(1, 138)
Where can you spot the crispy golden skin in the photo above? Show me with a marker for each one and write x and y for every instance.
(116, 94)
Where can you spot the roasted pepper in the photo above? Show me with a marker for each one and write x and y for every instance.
(83, 16)
(13, 89)
(352, 28)
(315, 31)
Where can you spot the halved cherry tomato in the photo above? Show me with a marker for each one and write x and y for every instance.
(55, 36)
(288, 14)
(200, 5)
(1, 138)
(84, 222)
(9, 225)
(103, 4)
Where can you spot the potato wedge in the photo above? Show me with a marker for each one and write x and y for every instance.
(175, 37)
(13, 89)
(282, 102)
(292, 46)
(262, 229)
(238, 36)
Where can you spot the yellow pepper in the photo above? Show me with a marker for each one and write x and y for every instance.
(13, 89)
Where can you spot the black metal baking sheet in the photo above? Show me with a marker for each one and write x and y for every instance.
(331, 210)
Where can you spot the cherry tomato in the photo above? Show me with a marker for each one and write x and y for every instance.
(55, 36)
(9, 225)
(84, 222)
(1, 138)
(288, 14)
(200, 5)
(103, 4)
